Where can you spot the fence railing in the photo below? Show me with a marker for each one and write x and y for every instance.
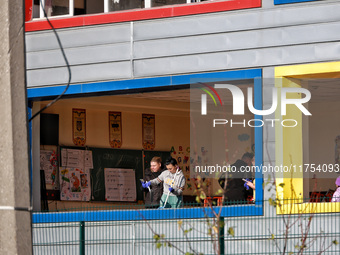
(201, 231)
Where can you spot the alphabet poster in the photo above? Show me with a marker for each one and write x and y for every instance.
(120, 184)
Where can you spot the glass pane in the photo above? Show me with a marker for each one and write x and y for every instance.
(56, 7)
(93, 6)
(118, 5)
(155, 3)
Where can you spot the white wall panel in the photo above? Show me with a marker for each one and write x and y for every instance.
(284, 15)
(83, 73)
(249, 39)
(78, 37)
(253, 58)
(79, 55)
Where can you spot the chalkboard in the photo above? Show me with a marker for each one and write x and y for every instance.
(114, 158)
(118, 158)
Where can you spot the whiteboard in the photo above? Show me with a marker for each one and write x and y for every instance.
(120, 184)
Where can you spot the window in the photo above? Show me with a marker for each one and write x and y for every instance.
(240, 78)
(78, 7)
(309, 147)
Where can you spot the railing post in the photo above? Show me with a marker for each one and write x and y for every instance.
(82, 238)
(221, 235)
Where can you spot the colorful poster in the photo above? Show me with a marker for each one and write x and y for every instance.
(75, 184)
(120, 184)
(148, 131)
(115, 129)
(79, 126)
(49, 163)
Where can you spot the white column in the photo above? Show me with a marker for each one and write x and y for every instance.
(41, 10)
(15, 215)
(71, 7)
(36, 158)
(106, 5)
(147, 3)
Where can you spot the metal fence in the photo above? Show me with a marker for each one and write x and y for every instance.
(253, 228)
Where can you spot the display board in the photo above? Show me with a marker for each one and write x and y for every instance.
(112, 171)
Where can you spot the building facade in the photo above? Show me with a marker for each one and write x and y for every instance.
(143, 61)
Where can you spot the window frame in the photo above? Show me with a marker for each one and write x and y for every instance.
(293, 203)
(70, 10)
(255, 209)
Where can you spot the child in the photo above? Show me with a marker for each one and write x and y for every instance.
(336, 195)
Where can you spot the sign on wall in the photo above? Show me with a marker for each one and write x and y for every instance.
(79, 126)
(148, 121)
(115, 129)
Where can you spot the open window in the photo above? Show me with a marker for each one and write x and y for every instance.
(59, 8)
(167, 98)
(224, 136)
(310, 149)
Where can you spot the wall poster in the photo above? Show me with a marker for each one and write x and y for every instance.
(120, 184)
(148, 121)
(115, 129)
(75, 184)
(74, 173)
(49, 163)
(79, 126)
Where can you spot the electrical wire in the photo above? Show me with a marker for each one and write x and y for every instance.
(66, 61)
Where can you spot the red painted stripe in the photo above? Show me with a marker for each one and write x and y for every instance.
(143, 14)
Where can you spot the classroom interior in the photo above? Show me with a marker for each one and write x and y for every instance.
(172, 134)
(171, 109)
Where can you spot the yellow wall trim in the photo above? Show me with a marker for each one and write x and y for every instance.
(293, 188)
(326, 207)
(305, 69)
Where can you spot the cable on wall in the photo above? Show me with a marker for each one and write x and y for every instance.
(66, 61)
